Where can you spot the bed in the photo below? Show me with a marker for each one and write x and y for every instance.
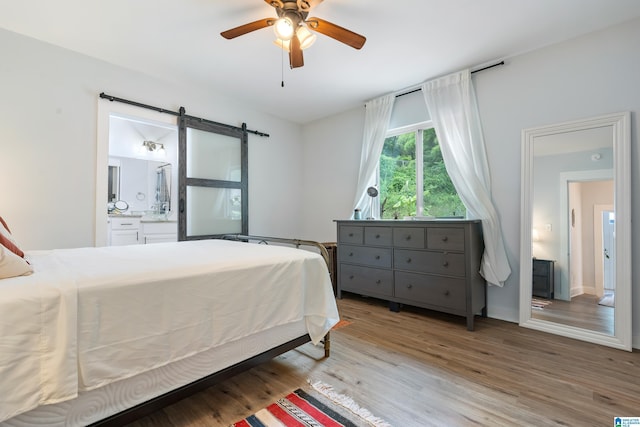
(106, 335)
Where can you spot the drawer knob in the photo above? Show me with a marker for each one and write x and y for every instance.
(350, 253)
(351, 277)
(446, 293)
(445, 238)
(408, 237)
(377, 236)
(350, 234)
(445, 264)
(377, 256)
(408, 260)
(409, 286)
(378, 281)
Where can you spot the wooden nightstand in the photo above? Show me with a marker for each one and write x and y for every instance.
(543, 277)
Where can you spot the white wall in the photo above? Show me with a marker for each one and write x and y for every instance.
(48, 116)
(331, 159)
(588, 76)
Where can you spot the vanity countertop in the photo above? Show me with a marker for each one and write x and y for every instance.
(142, 218)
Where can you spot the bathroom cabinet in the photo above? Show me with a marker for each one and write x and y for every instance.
(124, 231)
(130, 230)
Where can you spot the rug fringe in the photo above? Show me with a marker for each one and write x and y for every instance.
(348, 403)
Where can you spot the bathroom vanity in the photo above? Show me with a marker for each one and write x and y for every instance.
(138, 229)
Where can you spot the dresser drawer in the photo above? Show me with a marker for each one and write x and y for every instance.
(375, 257)
(378, 236)
(125, 223)
(408, 237)
(438, 291)
(351, 234)
(368, 281)
(448, 263)
(445, 238)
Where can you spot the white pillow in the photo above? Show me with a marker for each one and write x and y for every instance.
(11, 265)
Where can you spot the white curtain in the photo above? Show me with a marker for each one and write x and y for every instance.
(376, 123)
(452, 105)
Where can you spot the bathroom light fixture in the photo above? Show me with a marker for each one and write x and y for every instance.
(153, 147)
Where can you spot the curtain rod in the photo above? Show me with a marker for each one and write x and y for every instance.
(181, 113)
(472, 72)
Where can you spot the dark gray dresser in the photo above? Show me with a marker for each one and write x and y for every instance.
(431, 264)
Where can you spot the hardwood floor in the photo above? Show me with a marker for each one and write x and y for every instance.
(421, 368)
(583, 312)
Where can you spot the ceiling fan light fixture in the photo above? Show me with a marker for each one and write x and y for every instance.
(283, 44)
(306, 37)
(284, 28)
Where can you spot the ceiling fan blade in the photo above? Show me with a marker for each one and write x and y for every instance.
(334, 31)
(247, 28)
(307, 5)
(295, 53)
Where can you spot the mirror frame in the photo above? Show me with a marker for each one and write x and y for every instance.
(621, 136)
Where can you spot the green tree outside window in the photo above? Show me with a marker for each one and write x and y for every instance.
(398, 174)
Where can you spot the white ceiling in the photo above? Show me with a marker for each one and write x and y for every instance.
(408, 42)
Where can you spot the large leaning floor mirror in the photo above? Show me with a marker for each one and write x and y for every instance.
(575, 266)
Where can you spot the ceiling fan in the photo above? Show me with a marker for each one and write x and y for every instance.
(292, 28)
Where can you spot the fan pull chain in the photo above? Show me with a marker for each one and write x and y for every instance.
(282, 62)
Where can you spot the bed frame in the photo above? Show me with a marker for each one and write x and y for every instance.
(159, 402)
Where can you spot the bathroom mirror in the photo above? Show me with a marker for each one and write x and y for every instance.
(575, 265)
(144, 184)
(113, 190)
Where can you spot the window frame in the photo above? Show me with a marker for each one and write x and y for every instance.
(418, 129)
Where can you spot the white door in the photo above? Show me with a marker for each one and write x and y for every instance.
(608, 250)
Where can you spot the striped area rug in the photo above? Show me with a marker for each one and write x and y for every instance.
(300, 409)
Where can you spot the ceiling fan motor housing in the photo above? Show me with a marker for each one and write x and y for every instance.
(291, 11)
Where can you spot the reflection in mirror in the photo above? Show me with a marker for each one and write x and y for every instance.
(144, 184)
(113, 191)
(575, 208)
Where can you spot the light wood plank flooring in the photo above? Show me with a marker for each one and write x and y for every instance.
(420, 368)
(582, 311)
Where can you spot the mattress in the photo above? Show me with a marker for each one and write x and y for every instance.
(97, 404)
(109, 314)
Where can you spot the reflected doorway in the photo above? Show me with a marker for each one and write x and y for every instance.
(604, 231)
(585, 281)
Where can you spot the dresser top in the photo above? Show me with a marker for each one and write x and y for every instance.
(401, 222)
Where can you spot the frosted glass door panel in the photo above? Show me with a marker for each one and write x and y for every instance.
(213, 211)
(213, 156)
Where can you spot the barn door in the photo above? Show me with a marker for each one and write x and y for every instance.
(213, 175)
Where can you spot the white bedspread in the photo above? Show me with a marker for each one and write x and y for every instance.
(38, 357)
(144, 306)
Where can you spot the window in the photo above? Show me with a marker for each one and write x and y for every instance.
(412, 176)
